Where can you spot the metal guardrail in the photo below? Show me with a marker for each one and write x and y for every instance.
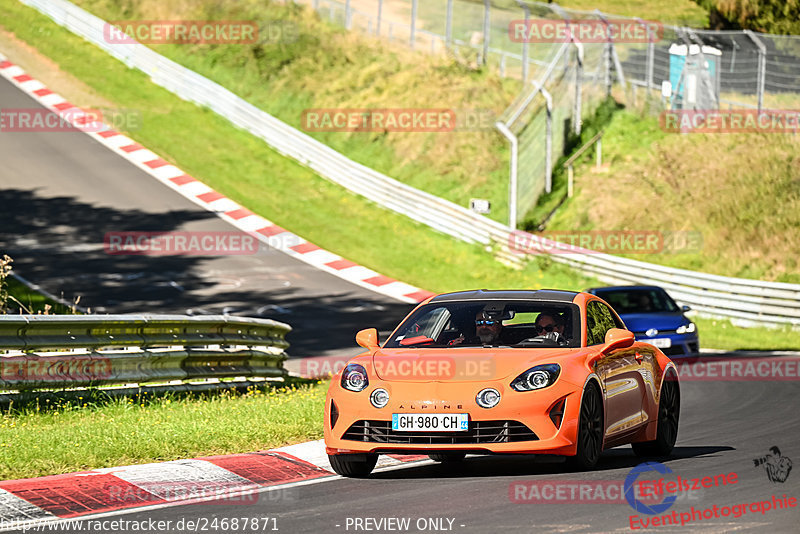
(753, 300)
(57, 351)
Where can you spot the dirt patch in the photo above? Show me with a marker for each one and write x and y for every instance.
(48, 72)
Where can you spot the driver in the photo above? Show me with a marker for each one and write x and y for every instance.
(488, 325)
(549, 322)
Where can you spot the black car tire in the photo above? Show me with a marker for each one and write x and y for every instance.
(590, 430)
(353, 465)
(669, 409)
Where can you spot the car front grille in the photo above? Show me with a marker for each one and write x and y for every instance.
(479, 432)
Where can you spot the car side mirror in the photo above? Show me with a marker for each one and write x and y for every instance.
(617, 338)
(686, 308)
(368, 338)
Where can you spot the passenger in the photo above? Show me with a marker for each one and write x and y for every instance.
(549, 322)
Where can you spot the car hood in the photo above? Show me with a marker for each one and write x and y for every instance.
(641, 322)
(460, 364)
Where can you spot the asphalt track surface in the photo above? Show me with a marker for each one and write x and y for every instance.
(724, 426)
(61, 192)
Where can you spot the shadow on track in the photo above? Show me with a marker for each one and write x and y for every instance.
(57, 242)
(522, 465)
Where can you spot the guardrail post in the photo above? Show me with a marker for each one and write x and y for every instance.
(599, 152)
(570, 180)
(512, 173)
(762, 67)
(487, 29)
(413, 36)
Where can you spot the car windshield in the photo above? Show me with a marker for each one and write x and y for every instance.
(522, 324)
(641, 300)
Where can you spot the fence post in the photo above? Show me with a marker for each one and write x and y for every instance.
(577, 120)
(650, 59)
(413, 22)
(448, 32)
(525, 65)
(762, 66)
(347, 13)
(487, 28)
(380, 15)
(548, 139)
(512, 173)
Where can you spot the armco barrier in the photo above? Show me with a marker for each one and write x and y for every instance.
(57, 351)
(751, 300)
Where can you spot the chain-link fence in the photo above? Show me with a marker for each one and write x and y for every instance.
(671, 66)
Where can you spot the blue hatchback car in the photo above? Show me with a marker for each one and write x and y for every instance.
(653, 317)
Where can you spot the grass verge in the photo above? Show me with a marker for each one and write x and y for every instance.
(326, 67)
(722, 334)
(38, 440)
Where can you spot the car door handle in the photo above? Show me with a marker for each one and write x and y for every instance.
(639, 357)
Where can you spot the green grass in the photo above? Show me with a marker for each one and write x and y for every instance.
(740, 191)
(721, 334)
(677, 12)
(329, 68)
(60, 437)
(31, 301)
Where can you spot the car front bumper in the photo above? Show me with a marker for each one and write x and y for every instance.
(522, 422)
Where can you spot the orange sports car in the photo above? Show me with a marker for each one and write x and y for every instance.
(481, 372)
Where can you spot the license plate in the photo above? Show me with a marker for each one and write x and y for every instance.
(661, 342)
(439, 422)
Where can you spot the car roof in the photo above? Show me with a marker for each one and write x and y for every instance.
(615, 288)
(508, 294)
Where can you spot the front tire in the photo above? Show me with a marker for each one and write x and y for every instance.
(590, 430)
(353, 465)
(669, 408)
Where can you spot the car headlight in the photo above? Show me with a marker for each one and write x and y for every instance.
(686, 329)
(379, 398)
(537, 377)
(354, 377)
(488, 398)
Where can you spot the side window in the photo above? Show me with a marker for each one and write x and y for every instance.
(599, 320)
